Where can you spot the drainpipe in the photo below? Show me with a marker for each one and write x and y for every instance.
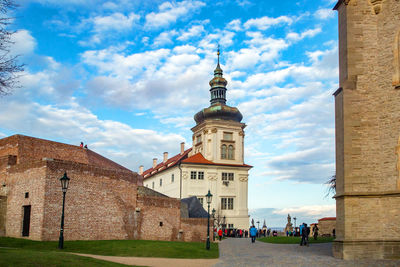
(180, 181)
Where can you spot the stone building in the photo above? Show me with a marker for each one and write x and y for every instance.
(215, 161)
(104, 199)
(326, 226)
(367, 130)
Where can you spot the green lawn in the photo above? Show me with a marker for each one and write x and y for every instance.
(33, 258)
(293, 239)
(133, 248)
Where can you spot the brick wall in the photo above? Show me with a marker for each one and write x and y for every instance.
(101, 203)
(195, 229)
(157, 210)
(30, 148)
(3, 211)
(30, 180)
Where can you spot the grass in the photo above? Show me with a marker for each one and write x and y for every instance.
(132, 248)
(293, 240)
(32, 258)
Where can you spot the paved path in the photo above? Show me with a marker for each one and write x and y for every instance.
(241, 252)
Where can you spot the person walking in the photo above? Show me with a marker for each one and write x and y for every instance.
(303, 233)
(315, 231)
(220, 234)
(253, 233)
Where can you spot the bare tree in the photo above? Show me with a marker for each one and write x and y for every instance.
(331, 185)
(9, 67)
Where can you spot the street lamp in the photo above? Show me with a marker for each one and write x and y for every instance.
(64, 186)
(258, 225)
(209, 198)
(295, 222)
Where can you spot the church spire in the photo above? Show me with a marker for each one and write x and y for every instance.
(218, 85)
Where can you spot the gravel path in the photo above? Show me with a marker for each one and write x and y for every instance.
(154, 262)
(241, 252)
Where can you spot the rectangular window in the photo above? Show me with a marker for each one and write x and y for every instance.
(228, 136)
(227, 176)
(230, 225)
(198, 139)
(201, 200)
(160, 182)
(227, 203)
(230, 203)
(193, 175)
(172, 178)
(201, 176)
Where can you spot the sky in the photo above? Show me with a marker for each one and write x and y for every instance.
(126, 77)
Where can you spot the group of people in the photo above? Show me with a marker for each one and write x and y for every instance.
(231, 233)
(83, 146)
(253, 233)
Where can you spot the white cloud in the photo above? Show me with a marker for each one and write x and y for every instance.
(24, 43)
(294, 36)
(266, 22)
(115, 22)
(324, 13)
(234, 25)
(170, 12)
(72, 124)
(194, 31)
(312, 210)
(164, 38)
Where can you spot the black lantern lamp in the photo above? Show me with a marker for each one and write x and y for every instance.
(64, 182)
(64, 186)
(209, 199)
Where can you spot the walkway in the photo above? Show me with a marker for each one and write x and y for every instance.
(241, 252)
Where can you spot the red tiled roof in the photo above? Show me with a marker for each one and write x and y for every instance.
(199, 159)
(327, 219)
(168, 164)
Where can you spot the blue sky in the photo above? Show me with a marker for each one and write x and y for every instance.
(126, 77)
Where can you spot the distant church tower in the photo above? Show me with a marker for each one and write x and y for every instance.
(218, 133)
(367, 122)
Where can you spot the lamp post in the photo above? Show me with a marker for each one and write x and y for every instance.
(258, 225)
(295, 222)
(209, 198)
(64, 186)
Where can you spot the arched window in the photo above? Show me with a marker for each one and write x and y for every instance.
(223, 152)
(231, 151)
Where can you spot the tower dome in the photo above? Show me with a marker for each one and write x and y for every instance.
(218, 110)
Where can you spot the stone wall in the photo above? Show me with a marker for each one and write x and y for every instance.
(160, 218)
(367, 131)
(29, 148)
(195, 229)
(101, 203)
(3, 213)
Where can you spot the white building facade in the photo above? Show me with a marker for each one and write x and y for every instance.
(215, 162)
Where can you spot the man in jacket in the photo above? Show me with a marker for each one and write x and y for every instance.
(253, 233)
